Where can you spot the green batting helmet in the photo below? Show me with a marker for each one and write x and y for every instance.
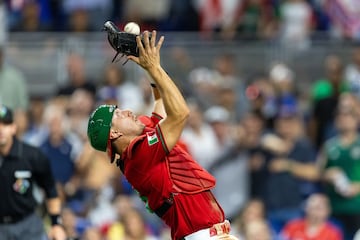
(99, 127)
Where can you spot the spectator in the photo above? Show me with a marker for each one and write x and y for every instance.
(339, 164)
(262, 97)
(115, 87)
(204, 82)
(315, 224)
(199, 130)
(182, 16)
(291, 161)
(147, 106)
(218, 118)
(231, 172)
(30, 18)
(257, 20)
(35, 127)
(217, 15)
(92, 233)
(122, 203)
(86, 15)
(13, 87)
(73, 224)
(76, 77)
(135, 227)
(60, 145)
(254, 126)
(230, 92)
(252, 215)
(344, 18)
(22, 123)
(352, 72)
(14, 92)
(256, 230)
(91, 190)
(79, 22)
(147, 15)
(324, 99)
(282, 80)
(78, 107)
(180, 64)
(296, 24)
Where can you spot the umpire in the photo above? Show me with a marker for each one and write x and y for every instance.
(21, 166)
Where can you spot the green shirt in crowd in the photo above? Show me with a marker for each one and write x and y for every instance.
(346, 158)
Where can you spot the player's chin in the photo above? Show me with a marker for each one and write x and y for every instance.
(140, 124)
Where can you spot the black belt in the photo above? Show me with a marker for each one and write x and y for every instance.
(165, 206)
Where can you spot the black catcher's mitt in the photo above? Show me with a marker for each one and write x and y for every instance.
(122, 42)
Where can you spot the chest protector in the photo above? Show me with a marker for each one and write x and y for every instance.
(187, 175)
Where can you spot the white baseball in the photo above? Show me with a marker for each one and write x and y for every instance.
(132, 27)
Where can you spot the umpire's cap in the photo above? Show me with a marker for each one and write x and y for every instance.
(6, 115)
(99, 129)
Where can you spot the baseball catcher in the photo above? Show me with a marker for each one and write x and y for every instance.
(173, 185)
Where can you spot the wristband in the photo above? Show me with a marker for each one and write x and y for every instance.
(55, 219)
(153, 85)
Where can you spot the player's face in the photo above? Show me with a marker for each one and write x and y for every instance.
(7, 132)
(126, 122)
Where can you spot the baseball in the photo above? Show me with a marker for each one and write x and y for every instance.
(132, 27)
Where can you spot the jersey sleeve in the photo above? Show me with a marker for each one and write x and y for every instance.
(153, 145)
(152, 121)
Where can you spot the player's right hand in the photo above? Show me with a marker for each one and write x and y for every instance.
(149, 51)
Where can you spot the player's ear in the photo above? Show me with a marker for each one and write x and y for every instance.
(115, 134)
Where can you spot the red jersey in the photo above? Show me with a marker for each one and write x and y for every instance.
(296, 230)
(157, 174)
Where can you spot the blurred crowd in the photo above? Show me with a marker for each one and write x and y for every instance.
(289, 20)
(286, 161)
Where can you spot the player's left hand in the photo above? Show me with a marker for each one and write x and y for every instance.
(57, 232)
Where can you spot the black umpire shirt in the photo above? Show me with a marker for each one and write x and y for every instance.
(19, 170)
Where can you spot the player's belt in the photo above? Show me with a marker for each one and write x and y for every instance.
(216, 230)
(165, 206)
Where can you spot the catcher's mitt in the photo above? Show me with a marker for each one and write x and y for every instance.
(122, 42)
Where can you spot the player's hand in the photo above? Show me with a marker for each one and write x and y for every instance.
(57, 232)
(149, 52)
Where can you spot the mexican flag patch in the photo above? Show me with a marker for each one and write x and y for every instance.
(152, 138)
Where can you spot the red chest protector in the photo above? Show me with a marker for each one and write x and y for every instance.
(186, 174)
